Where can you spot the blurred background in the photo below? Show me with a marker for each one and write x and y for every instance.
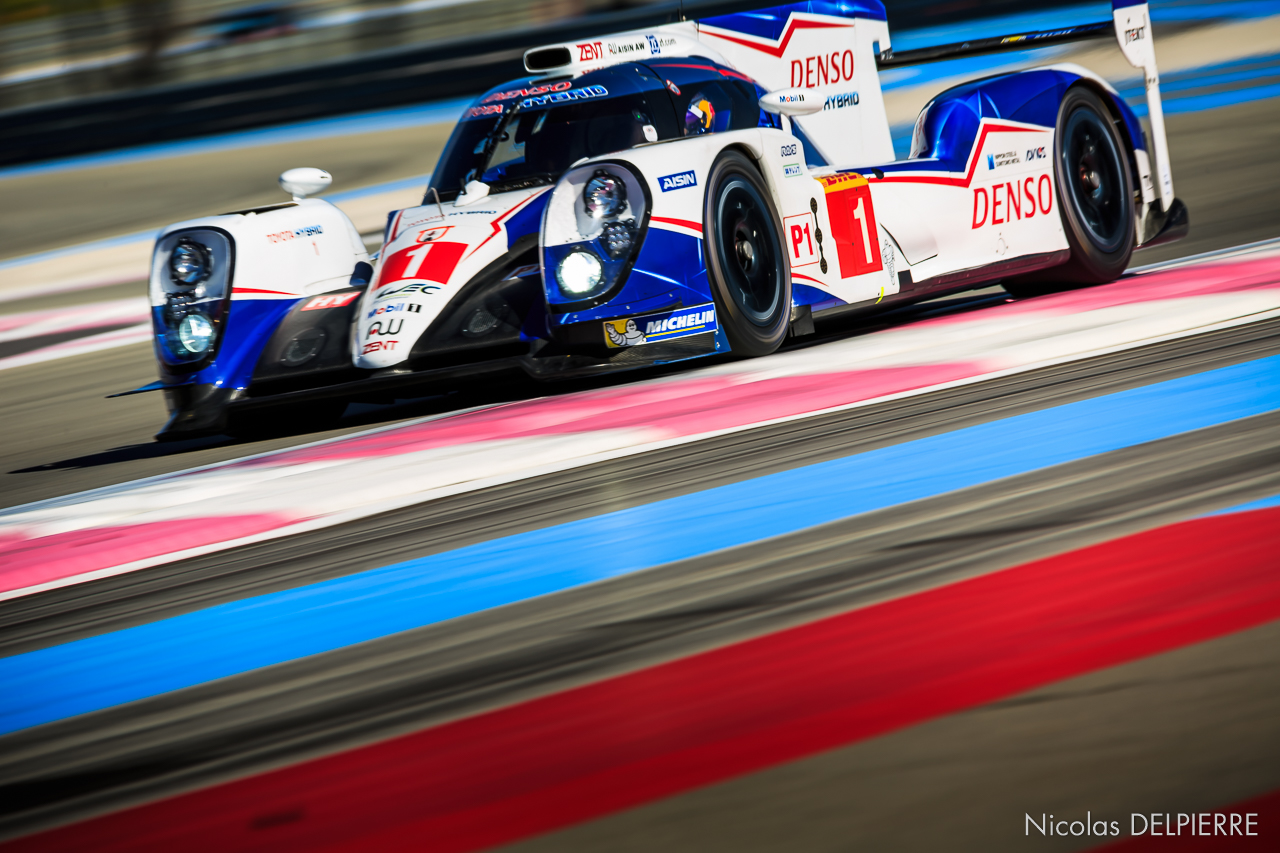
(53, 50)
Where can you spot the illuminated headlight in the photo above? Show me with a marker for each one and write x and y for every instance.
(579, 273)
(189, 263)
(195, 333)
(604, 195)
(617, 238)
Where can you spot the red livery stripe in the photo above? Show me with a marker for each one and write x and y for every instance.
(683, 223)
(792, 25)
(572, 756)
(975, 154)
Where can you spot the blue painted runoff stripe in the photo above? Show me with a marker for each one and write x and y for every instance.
(1261, 503)
(182, 651)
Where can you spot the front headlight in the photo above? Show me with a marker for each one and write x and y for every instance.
(189, 263)
(605, 195)
(592, 230)
(617, 238)
(190, 291)
(579, 273)
(195, 333)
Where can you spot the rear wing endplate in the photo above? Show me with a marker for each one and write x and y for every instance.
(1131, 24)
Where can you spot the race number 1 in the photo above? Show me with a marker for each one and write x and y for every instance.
(853, 224)
(422, 262)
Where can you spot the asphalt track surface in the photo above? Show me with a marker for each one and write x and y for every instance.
(1189, 729)
(248, 723)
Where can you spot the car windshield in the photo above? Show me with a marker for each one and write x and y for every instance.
(534, 144)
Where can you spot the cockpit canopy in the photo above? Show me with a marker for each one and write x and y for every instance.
(529, 132)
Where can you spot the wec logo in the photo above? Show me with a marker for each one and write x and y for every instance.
(678, 181)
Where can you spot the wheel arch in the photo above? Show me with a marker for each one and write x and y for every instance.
(1125, 122)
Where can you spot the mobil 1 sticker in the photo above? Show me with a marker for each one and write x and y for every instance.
(651, 328)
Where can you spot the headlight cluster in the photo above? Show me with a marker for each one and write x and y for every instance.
(188, 283)
(189, 263)
(601, 235)
(579, 272)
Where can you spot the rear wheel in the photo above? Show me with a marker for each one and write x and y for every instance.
(749, 273)
(1095, 197)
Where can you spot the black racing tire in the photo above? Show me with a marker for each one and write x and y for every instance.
(747, 264)
(274, 422)
(1095, 197)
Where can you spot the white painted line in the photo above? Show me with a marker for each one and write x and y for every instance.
(81, 346)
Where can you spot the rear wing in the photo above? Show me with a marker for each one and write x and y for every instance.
(1131, 24)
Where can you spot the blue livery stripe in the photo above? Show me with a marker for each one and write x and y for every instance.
(147, 660)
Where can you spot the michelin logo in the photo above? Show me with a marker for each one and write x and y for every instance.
(678, 181)
(650, 329)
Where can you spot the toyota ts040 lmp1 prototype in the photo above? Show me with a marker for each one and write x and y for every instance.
(703, 187)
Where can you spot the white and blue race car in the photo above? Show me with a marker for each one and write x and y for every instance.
(704, 187)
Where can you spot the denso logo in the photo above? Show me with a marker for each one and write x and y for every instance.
(678, 181)
(1135, 34)
(1018, 198)
(812, 71)
(590, 51)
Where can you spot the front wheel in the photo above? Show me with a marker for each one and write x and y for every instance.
(747, 264)
(1095, 197)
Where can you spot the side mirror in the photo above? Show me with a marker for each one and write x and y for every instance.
(793, 102)
(362, 274)
(305, 181)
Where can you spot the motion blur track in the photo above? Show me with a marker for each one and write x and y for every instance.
(1219, 698)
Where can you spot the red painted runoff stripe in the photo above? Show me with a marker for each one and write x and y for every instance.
(583, 753)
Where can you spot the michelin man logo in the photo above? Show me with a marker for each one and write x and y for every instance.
(627, 336)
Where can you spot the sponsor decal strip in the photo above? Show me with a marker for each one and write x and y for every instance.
(635, 331)
(557, 760)
(122, 666)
